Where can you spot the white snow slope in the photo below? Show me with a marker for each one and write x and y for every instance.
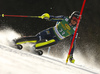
(13, 61)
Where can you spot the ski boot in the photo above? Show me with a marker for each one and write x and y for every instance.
(39, 52)
(36, 51)
(18, 46)
(71, 59)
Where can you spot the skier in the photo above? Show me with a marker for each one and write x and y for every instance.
(65, 26)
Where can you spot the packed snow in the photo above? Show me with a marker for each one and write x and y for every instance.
(14, 61)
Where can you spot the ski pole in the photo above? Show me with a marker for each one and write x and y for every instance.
(3, 15)
(42, 16)
(49, 49)
(75, 31)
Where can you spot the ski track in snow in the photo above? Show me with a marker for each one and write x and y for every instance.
(13, 61)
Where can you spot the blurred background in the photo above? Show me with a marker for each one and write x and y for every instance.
(88, 42)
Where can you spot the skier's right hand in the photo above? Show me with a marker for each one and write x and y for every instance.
(45, 16)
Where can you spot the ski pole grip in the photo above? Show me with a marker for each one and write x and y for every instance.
(67, 58)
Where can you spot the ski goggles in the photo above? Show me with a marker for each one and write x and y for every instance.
(74, 19)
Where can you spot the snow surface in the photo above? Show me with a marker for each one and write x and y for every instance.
(13, 61)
